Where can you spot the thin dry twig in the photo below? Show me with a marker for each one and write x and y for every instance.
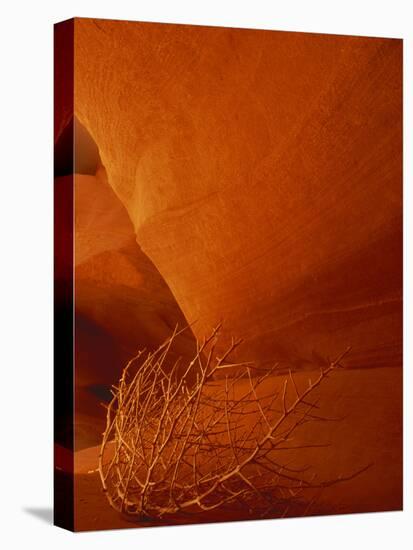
(173, 446)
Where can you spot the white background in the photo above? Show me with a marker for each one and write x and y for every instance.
(26, 273)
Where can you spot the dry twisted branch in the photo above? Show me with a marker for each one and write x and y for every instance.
(172, 447)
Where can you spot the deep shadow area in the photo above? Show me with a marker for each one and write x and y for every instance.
(86, 158)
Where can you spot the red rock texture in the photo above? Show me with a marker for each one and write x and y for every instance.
(122, 304)
(250, 177)
(262, 174)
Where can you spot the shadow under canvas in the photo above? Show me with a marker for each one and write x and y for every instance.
(44, 514)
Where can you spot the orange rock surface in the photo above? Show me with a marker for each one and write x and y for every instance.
(262, 174)
(249, 177)
(122, 304)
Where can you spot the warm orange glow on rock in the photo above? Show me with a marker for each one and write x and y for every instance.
(262, 173)
(243, 177)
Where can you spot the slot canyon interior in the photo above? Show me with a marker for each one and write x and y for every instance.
(249, 178)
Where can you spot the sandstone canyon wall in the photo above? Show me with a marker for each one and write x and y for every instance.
(262, 174)
(121, 302)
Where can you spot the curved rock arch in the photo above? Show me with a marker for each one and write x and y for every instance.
(262, 175)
